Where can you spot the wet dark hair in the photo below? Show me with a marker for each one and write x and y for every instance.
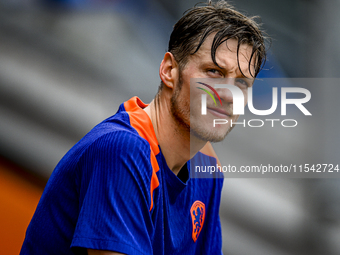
(221, 18)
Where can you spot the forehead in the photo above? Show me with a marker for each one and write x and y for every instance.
(226, 55)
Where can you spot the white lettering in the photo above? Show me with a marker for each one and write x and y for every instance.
(298, 102)
(262, 112)
(262, 123)
(220, 121)
(289, 120)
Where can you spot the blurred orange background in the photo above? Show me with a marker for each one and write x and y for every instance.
(19, 196)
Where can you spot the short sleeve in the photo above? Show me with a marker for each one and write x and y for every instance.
(114, 176)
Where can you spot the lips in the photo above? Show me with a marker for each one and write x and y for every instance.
(219, 112)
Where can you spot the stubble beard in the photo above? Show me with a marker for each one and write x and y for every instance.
(180, 111)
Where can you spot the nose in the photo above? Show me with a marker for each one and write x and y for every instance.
(227, 93)
(232, 95)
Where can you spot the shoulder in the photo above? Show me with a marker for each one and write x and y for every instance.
(117, 161)
(128, 131)
(114, 133)
(108, 146)
(116, 148)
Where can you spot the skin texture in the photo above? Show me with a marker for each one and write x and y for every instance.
(183, 132)
(201, 66)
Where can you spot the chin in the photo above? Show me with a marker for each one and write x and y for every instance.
(208, 135)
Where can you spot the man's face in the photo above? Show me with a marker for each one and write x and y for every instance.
(186, 99)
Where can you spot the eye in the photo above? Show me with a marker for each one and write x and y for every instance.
(215, 72)
(242, 82)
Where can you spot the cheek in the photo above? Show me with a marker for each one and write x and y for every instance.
(195, 101)
(182, 100)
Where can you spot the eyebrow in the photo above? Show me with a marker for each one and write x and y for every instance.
(211, 62)
(242, 73)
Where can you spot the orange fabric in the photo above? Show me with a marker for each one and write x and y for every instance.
(140, 121)
(154, 184)
(18, 200)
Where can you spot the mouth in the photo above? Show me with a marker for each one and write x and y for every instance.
(218, 112)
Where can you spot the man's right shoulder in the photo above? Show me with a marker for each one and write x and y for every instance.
(114, 134)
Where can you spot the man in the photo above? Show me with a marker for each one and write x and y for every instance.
(125, 188)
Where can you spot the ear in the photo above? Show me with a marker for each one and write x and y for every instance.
(168, 70)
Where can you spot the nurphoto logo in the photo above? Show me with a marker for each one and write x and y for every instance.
(239, 102)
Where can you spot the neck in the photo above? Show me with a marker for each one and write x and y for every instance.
(173, 139)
